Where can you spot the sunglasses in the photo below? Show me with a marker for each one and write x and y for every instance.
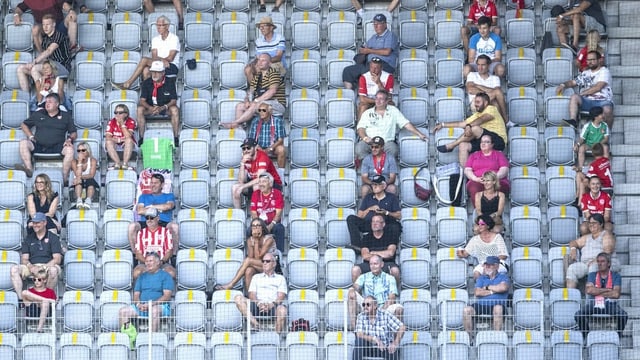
(39, 279)
(482, 222)
(119, 112)
(375, 146)
(245, 148)
(266, 261)
(39, 182)
(262, 110)
(366, 304)
(82, 150)
(149, 217)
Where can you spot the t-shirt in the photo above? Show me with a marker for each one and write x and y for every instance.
(589, 78)
(374, 244)
(266, 205)
(387, 40)
(164, 47)
(262, 82)
(166, 92)
(487, 46)
(262, 162)
(272, 47)
(491, 82)
(51, 130)
(495, 298)
(495, 125)
(157, 241)
(595, 11)
(592, 134)
(390, 203)
(367, 87)
(151, 286)
(41, 250)
(582, 58)
(596, 205)
(615, 281)
(157, 153)
(384, 126)
(46, 293)
(481, 163)
(116, 131)
(158, 199)
(476, 11)
(601, 167)
(388, 167)
(267, 287)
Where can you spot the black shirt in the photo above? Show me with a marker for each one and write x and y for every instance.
(166, 92)
(41, 250)
(51, 130)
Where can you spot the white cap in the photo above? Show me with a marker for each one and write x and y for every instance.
(157, 66)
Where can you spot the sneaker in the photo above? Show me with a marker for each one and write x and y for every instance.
(79, 204)
(275, 9)
(573, 49)
(87, 203)
(27, 171)
(443, 149)
(570, 122)
(262, 9)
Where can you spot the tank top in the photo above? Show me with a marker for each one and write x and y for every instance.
(593, 247)
(489, 206)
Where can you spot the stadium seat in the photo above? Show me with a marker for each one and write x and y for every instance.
(14, 185)
(190, 345)
(559, 143)
(443, 137)
(230, 227)
(558, 65)
(77, 307)
(525, 185)
(561, 185)
(191, 310)
(305, 68)
(413, 29)
(198, 30)
(528, 345)
(302, 345)
(230, 69)
(451, 223)
(521, 66)
(10, 147)
(450, 104)
(447, 27)
(193, 225)
(304, 108)
(8, 346)
(200, 77)
(110, 303)
(408, 197)
(90, 70)
(226, 316)
(227, 345)
(128, 5)
(454, 344)
(92, 30)
(492, 344)
(114, 345)
(195, 107)
(226, 263)
(304, 304)
(523, 146)
(11, 228)
(11, 60)
(194, 148)
(8, 311)
(565, 303)
(126, 30)
(563, 222)
(115, 223)
(413, 67)
(14, 108)
(414, 105)
(451, 302)
(225, 178)
(303, 268)
(334, 341)
(342, 187)
(417, 308)
(79, 268)
(519, 28)
(413, 150)
(335, 302)
(8, 258)
(567, 344)
(304, 147)
(335, 226)
(449, 63)
(37, 346)
(18, 37)
(336, 60)
(528, 309)
(556, 259)
(415, 268)
(338, 263)
(526, 267)
(304, 227)
(341, 29)
(87, 108)
(525, 224)
(304, 187)
(603, 344)
(121, 188)
(556, 105)
(129, 98)
(265, 345)
(82, 228)
(340, 105)
(228, 150)
(340, 144)
(305, 27)
(226, 102)
(116, 270)
(194, 188)
(415, 227)
(154, 345)
(522, 103)
(123, 64)
(452, 270)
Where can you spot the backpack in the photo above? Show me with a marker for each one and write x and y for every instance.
(300, 325)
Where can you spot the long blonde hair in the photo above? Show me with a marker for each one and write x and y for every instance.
(48, 188)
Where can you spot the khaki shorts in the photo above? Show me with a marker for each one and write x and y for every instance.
(25, 273)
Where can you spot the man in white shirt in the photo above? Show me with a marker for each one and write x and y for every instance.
(482, 81)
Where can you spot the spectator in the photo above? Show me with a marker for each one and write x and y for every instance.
(485, 121)
(487, 159)
(378, 163)
(42, 9)
(154, 285)
(595, 85)
(484, 245)
(268, 131)
(41, 251)
(378, 333)
(149, 7)
(487, 43)
(267, 293)
(267, 204)
(43, 200)
(603, 291)
(382, 120)
(491, 292)
(592, 43)
(490, 201)
(478, 9)
(38, 299)
(599, 167)
(377, 242)
(383, 44)
(158, 98)
(156, 239)
(377, 284)
(120, 137)
(54, 46)
(164, 203)
(266, 85)
(370, 82)
(54, 134)
(275, 9)
(593, 132)
(259, 243)
(595, 201)
(393, 4)
(165, 48)
(50, 83)
(253, 163)
(84, 170)
(268, 42)
(482, 81)
(379, 201)
(597, 241)
(586, 14)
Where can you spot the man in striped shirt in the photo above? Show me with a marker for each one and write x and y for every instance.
(154, 239)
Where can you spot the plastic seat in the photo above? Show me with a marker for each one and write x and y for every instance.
(304, 108)
(266, 345)
(304, 227)
(450, 104)
(522, 103)
(413, 67)
(339, 105)
(342, 185)
(230, 5)
(305, 68)
(92, 30)
(194, 148)
(193, 225)
(413, 28)
(416, 268)
(336, 61)
(233, 28)
(18, 37)
(79, 268)
(416, 345)
(303, 268)
(565, 303)
(304, 303)
(523, 146)
(413, 150)
(87, 108)
(304, 187)
(556, 258)
(603, 345)
(121, 188)
(340, 5)
(10, 147)
(116, 269)
(561, 182)
(123, 64)
(189, 346)
(340, 144)
(528, 309)
(302, 345)
(226, 102)
(202, 75)
(195, 107)
(126, 30)
(8, 346)
(525, 224)
(225, 178)
(230, 69)
(454, 345)
(304, 148)
(452, 270)
(9, 311)
(558, 65)
(447, 28)
(452, 226)
(335, 226)
(115, 223)
(228, 147)
(11, 226)
(194, 188)
(414, 105)
(559, 143)
(38, 346)
(226, 263)
(13, 184)
(8, 258)
(567, 344)
(407, 194)
(227, 345)
(335, 302)
(200, 5)
(153, 345)
(113, 345)
(563, 221)
(192, 269)
(110, 303)
(449, 63)
(306, 5)
(191, 310)
(78, 310)
(417, 308)
(528, 345)
(338, 263)
(451, 302)
(415, 227)
(556, 105)
(341, 29)
(82, 228)
(525, 185)
(11, 60)
(226, 316)
(230, 227)
(519, 26)
(90, 68)
(493, 344)
(526, 267)
(14, 108)
(198, 30)
(521, 66)
(129, 98)
(128, 5)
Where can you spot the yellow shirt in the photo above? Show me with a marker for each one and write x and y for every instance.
(495, 125)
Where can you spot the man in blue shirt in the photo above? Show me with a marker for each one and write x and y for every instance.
(603, 289)
(491, 292)
(487, 43)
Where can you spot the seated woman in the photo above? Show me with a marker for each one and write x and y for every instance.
(119, 137)
(487, 159)
(490, 200)
(84, 170)
(486, 243)
(49, 83)
(259, 243)
(38, 299)
(44, 200)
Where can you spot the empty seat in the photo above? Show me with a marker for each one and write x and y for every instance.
(82, 228)
(18, 37)
(121, 188)
(413, 28)
(450, 104)
(265, 345)
(14, 108)
(415, 268)
(492, 344)
(407, 194)
(415, 227)
(114, 345)
(335, 343)
(525, 185)
(79, 268)
(304, 227)
(453, 345)
(226, 263)
(305, 68)
(226, 102)
(304, 147)
(194, 148)
(561, 185)
(339, 105)
(556, 259)
(192, 269)
(304, 303)
(338, 263)
(8, 346)
(302, 345)
(128, 5)
(10, 147)
(452, 270)
(341, 29)
(563, 221)
(195, 108)
(189, 345)
(559, 143)
(193, 225)
(191, 310)
(523, 145)
(335, 226)
(414, 105)
(11, 226)
(519, 26)
(336, 60)
(78, 310)
(194, 188)
(526, 267)
(116, 270)
(115, 223)
(565, 303)
(303, 268)
(8, 259)
(198, 30)
(451, 302)
(558, 65)
(342, 185)
(92, 30)
(233, 30)
(340, 144)
(447, 28)
(90, 70)
(413, 67)
(304, 108)
(603, 345)
(231, 224)
(38, 346)
(413, 150)
(566, 344)
(126, 30)
(528, 345)
(13, 184)
(153, 345)
(227, 345)
(230, 69)
(521, 66)
(228, 150)
(528, 309)
(87, 108)
(525, 224)
(123, 64)
(451, 223)
(556, 105)
(449, 63)
(335, 306)
(8, 311)
(306, 5)
(522, 103)
(417, 308)
(304, 187)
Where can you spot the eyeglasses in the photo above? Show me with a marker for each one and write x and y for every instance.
(367, 304)
(262, 110)
(256, 225)
(482, 222)
(592, 59)
(39, 182)
(245, 148)
(149, 217)
(119, 112)
(39, 279)
(485, 142)
(82, 150)
(266, 261)
(162, 25)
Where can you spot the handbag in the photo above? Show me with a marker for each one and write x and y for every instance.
(452, 171)
(420, 192)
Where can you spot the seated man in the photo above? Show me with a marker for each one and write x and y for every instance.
(585, 14)
(48, 131)
(482, 81)
(380, 243)
(253, 163)
(158, 99)
(270, 42)
(268, 131)
(487, 43)
(41, 251)
(64, 19)
(377, 284)
(485, 121)
(370, 82)
(595, 201)
(267, 293)
(378, 163)
(153, 285)
(378, 333)
(267, 204)
(164, 203)
(478, 9)
(603, 290)
(491, 292)
(595, 85)
(154, 238)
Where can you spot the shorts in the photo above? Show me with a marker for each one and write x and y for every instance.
(63, 72)
(482, 309)
(171, 71)
(492, 66)
(88, 182)
(590, 23)
(255, 312)
(33, 310)
(166, 310)
(25, 273)
(365, 268)
(498, 142)
(53, 149)
(586, 104)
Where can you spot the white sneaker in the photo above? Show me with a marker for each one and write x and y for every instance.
(87, 203)
(79, 204)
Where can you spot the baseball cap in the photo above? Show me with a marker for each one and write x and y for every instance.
(153, 212)
(39, 217)
(157, 66)
(380, 18)
(376, 60)
(378, 179)
(492, 260)
(377, 140)
(249, 142)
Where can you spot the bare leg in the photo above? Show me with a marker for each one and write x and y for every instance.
(22, 73)
(497, 317)
(144, 63)
(132, 233)
(395, 272)
(16, 279)
(71, 24)
(608, 117)
(175, 236)
(26, 148)
(246, 265)
(352, 307)
(467, 319)
(78, 191)
(464, 35)
(125, 314)
(128, 150)
(355, 272)
(175, 120)
(110, 146)
(36, 35)
(178, 5)
(52, 277)
(148, 6)
(241, 304)
(281, 316)
(244, 113)
(281, 156)
(67, 153)
(561, 30)
(142, 123)
(574, 106)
